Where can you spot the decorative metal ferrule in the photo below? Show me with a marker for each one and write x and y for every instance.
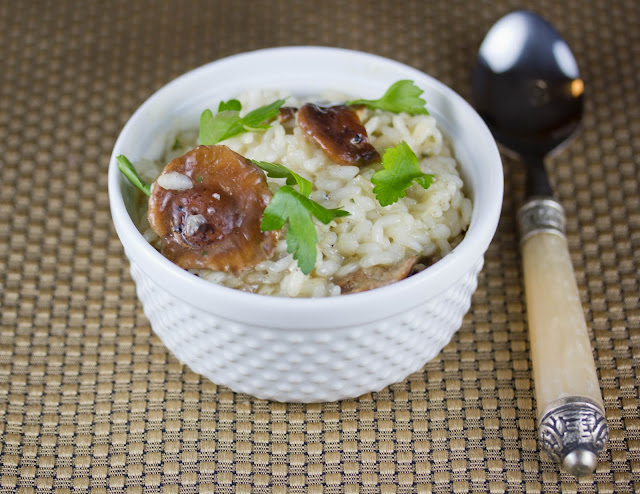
(573, 432)
(541, 214)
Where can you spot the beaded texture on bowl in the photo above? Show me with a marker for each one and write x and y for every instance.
(307, 364)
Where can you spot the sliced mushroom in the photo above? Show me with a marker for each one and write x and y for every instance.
(376, 276)
(339, 132)
(287, 117)
(287, 113)
(214, 223)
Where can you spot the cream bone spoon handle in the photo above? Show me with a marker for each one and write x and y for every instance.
(571, 421)
(526, 85)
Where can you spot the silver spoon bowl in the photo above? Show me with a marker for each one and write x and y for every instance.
(527, 87)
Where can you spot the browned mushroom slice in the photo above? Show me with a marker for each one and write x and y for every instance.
(339, 132)
(207, 207)
(287, 117)
(376, 276)
(287, 113)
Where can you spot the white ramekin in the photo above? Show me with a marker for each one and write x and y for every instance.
(307, 350)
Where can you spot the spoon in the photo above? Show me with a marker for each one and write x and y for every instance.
(527, 87)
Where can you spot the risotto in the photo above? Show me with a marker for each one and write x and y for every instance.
(372, 240)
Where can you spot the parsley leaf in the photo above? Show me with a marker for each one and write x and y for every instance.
(402, 96)
(321, 213)
(288, 205)
(215, 129)
(401, 168)
(228, 123)
(232, 105)
(276, 170)
(127, 169)
(253, 119)
(301, 236)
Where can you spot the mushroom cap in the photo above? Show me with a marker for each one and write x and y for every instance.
(339, 132)
(376, 276)
(215, 222)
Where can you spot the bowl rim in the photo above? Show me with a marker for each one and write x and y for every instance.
(310, 312)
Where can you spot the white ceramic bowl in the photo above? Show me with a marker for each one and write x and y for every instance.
(307, 350)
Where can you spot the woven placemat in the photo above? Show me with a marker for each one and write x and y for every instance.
(91, 401)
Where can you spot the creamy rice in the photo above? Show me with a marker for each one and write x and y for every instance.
(427, 223)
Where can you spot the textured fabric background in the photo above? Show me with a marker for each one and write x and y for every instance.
(91, 401)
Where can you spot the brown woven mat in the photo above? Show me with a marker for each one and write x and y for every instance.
(91, 401)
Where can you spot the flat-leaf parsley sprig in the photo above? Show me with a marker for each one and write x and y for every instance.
(227, 122)
(289, 205)
(402, 96)
(400, 170)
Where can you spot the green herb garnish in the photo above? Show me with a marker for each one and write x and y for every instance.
(276, 170)
(231, 105)
(289, 205)
(228, 123)
(127, 169)
(401, 169)
(402, 96)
